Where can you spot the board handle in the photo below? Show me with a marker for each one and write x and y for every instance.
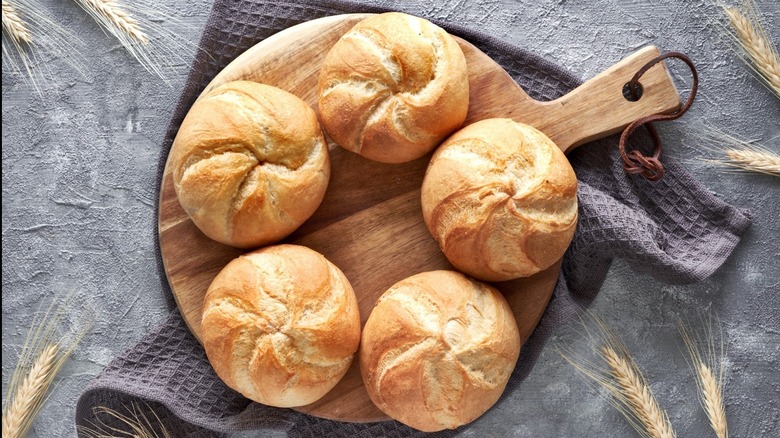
(598, 107)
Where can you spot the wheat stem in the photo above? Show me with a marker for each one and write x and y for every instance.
(738, 153)
(46, 349)
(42, 40)
(143, 29)
(637, 395)
(704, 363)
(110, 14)
(754, 160)
(29, 395)
(755, 42)
(14, 25)
(712, 399)
(135, 424)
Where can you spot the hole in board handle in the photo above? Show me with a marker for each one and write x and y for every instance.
(637, 92)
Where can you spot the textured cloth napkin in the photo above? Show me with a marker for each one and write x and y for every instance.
(673, 229)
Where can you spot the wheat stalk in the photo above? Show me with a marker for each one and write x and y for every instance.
(114, 18)
(712, 399)
(617, 373)
(635, 393)
(754, 41)
(18, 32)
(754, 160)
(30, 394)
(709, 375)
(46, 349)
(737, 153)
(28, 56)
(14, 25)
(120, 21)
(133, 425)
(147, 29)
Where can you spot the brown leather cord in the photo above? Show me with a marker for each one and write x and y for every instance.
(634, 162)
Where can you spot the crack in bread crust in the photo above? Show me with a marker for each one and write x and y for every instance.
(245, 189)
(200, 154)
(401, 355)
(373, 116)
(402, 127)
(369, 86)
(442, 394)
(386, 57)
(437, 45)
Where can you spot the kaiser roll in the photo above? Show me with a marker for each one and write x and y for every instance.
(438, 350)
(501, 199)
(281, 325)
(393, 87)
(250, 163)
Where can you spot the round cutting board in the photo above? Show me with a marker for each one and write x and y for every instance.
(370, 222)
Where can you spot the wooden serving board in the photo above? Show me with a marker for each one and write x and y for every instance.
(370, 222)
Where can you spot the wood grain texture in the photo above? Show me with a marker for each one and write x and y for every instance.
(370, 221)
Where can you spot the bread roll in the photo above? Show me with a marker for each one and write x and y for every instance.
(501, 200)
(393, 87)
(281, 325)
(438, 350)
(250, 164)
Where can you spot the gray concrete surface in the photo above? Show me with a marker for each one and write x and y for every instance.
(79, 194)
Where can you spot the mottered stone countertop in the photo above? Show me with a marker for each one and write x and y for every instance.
(79, 191)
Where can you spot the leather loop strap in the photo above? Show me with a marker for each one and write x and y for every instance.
(633, 161)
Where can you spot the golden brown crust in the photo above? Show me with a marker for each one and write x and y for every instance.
(250, 163)
(438, 350)
(281, 325)
(393, 88)
(501, 200)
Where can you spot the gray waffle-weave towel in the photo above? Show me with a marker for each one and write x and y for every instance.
(673, 229)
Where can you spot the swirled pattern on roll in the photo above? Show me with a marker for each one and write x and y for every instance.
(501, 200)
(281, 325)
(393, 87)
(438, 350)
(250, 164)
